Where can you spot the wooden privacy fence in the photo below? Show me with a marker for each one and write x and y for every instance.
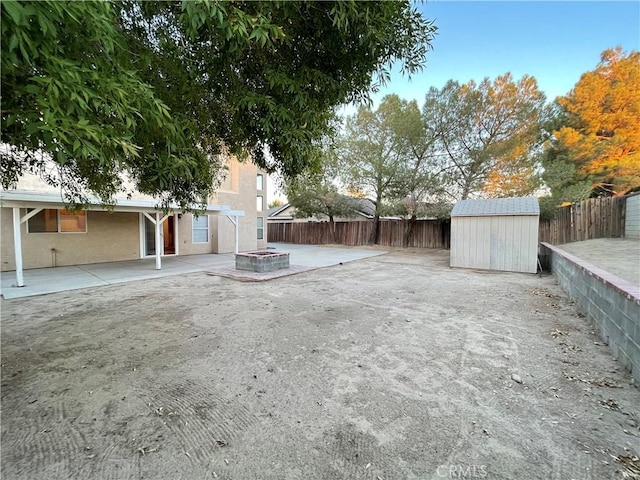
(591, 218)
(426, 233)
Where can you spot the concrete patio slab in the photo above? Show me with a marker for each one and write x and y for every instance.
(43, 281)
(620, 256)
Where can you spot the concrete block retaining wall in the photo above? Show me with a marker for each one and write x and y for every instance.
(611, 303)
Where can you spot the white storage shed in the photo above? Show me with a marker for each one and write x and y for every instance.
(496, 234)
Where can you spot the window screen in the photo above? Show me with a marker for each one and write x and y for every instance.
(201, 229)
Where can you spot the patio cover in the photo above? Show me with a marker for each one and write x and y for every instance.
(17, 199)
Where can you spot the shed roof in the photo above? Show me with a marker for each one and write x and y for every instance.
(497, 206)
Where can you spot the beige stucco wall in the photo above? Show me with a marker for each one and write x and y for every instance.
(239, 191)
(110, 237)
(185, 238)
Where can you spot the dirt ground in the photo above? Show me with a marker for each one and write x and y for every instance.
(394, 367)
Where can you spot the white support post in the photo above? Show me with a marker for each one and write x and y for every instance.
(17, 246)
(234, 220)
(237, 238)
(158, 246)
(176, 233)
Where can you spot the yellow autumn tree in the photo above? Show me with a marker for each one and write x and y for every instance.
(602, 138)
(513, 175)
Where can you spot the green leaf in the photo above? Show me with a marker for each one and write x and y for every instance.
(14, 9)
(32, 128)
(13, 42)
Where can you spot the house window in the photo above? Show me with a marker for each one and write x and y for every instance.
(260, 203)
(200, 228)
(260, 228)
(45, 221)
(260, 184)
(73, 222)
(51, 220)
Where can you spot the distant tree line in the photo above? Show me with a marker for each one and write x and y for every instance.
(496, 138)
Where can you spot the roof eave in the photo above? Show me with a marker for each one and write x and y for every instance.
(29, 200)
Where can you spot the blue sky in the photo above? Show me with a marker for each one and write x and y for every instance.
(555, 42)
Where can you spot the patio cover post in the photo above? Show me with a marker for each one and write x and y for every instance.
(235, 220)
(236, 227)
(17, 246)
(158, 225)
(176, 233)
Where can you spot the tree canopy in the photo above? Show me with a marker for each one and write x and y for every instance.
(157, 90)
(388, 154)
(488, 135)
(371, 150)
(597, 140)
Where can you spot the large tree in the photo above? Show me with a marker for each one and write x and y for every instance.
(418, 187)
(374, 151)
(488, 134)
(559, 173)
(389, 154)
(75, 110)
(156, 90)
(598, 141)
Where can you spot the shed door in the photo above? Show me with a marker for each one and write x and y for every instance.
(513, 243)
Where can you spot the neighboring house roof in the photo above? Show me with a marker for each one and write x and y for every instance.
(496, 206)
(276, 210)
(365, 207)
(281, 213)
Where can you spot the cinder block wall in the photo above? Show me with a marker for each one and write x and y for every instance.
(611, 303)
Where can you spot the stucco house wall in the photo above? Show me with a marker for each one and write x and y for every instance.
(242, 177)
(114, 235)
(186, 246)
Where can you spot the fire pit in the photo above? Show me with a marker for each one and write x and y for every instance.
(262, 261)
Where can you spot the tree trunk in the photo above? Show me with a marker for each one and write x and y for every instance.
(466, 190)
(408, 233)
(332, 224)
(375, 234)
